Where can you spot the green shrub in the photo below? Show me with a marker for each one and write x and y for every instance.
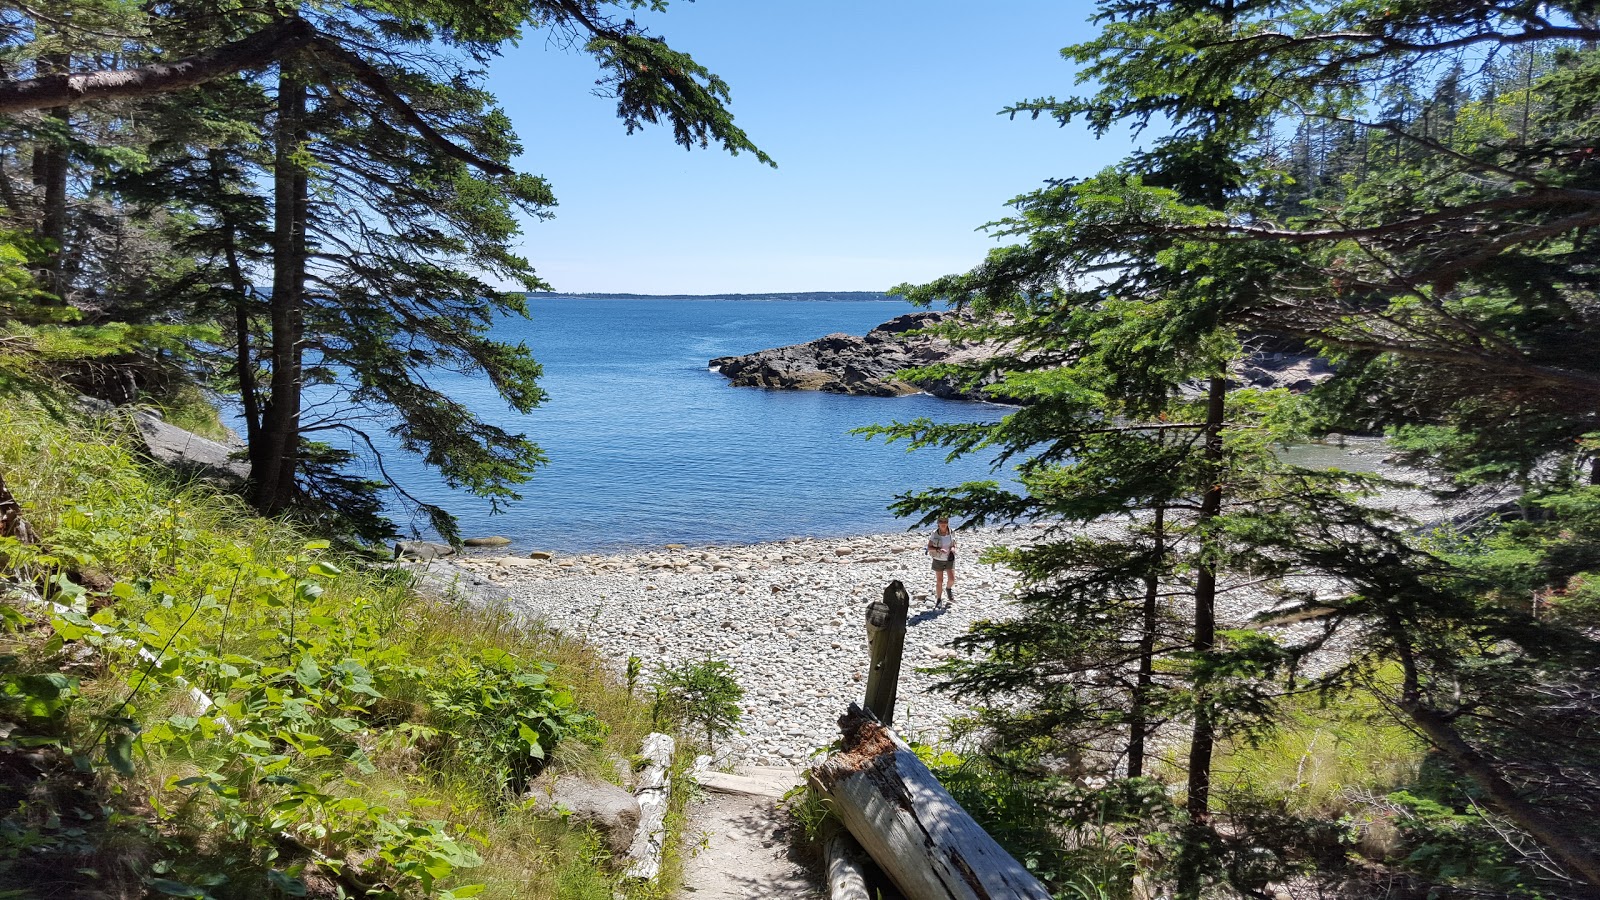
(1082, 844)
(703, 694)
(501, 716)
(348, 731)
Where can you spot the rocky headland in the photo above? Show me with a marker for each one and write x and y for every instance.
(865, 364)
(868, 364)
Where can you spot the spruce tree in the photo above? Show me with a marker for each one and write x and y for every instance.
(1449, 278)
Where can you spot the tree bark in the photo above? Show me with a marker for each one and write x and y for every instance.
(275, 456)
(244, 362)
(1202, 742)
(60, 88)
(50, 169)
(1139, 711)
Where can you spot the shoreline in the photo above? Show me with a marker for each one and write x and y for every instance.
(787, 615)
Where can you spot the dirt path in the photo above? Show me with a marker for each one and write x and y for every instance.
(744, 839)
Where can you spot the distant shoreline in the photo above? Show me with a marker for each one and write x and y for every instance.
(823, 296)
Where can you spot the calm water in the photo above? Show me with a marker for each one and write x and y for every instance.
(647, 446)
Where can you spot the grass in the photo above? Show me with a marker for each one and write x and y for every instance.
(323, 668)
(1324, 752)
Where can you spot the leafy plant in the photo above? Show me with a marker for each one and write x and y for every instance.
(502, 719)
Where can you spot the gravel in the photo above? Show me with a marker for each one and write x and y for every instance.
(789, 618)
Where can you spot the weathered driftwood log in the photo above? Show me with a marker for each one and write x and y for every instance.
(847, 878)
(913, 829)
(653, 793)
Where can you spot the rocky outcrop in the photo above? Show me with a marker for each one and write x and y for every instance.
(867, 365)
(186, 451)
(182, 451)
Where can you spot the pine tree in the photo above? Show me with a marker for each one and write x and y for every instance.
(1450, 283)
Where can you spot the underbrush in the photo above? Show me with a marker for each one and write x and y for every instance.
(1341, 799)
(195, 702)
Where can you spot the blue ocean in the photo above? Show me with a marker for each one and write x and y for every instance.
(647, 446)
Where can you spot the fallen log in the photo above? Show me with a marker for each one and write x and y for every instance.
(910, 825)
(654, 793)
(847, 878)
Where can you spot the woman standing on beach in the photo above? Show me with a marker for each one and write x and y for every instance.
(942, 547)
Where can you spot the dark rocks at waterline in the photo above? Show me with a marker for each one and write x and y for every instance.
(866, 365)
(847, 364)
(423, 550)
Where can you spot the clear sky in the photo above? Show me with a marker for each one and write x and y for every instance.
(880, 115)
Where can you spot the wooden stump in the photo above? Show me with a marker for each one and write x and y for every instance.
(910, 825)
(886, 642)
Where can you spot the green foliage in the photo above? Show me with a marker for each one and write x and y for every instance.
(1082, 844)
(1324, 752)
(1394, 187)
(1465, 847)
(257, 713)
(500, 716)
(703, 694)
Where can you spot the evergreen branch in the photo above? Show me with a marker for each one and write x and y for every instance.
(69, 89)
(374, 81)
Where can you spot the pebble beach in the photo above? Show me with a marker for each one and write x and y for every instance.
(787, 616)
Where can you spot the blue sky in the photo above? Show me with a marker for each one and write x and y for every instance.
(880, 115)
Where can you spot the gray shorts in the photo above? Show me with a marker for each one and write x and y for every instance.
(944, 565)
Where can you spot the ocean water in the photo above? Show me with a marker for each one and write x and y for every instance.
(647, 446)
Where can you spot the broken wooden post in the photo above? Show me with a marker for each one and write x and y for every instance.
(910, 825)
(886, 642)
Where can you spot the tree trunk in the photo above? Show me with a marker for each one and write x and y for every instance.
(1563, 845)
(243, 363)
(275, 455)
(1197, 838)
(50, 170)
(913, 829)
(1139, 713)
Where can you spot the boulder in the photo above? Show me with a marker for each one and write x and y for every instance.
(188, 452)
(494, 541)
(541, 554)
(422, 550)
(445, 581)
(610, 810)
